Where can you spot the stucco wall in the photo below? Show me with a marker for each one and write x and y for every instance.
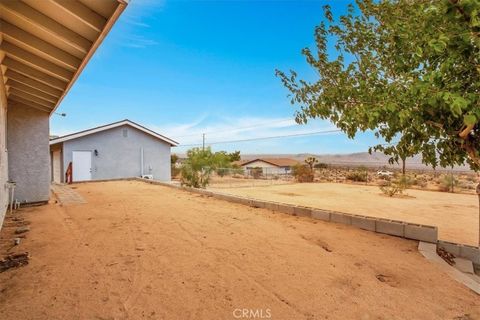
(3, 152)
(28, 152)
(119, 156)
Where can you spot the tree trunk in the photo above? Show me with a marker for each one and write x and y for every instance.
(403, 166)
(472, 153)
(478, 194)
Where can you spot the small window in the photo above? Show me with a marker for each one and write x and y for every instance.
(125, 132)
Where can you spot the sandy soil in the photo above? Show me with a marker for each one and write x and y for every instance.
(139, 251)
(456, 215)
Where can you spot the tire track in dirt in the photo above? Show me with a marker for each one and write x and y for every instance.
(219, 254)
(267, 290)
(136, 273)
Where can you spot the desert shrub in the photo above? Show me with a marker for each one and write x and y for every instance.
(420, 182)
(404, 181)
(383, 183)
(448, 183)
(221, 172)
(302, 173)
(357, 176)
(393, 187)
(198, 166)
(471, 178)
(175, 171)
(195, 178)
(466, 185)
(321, 166)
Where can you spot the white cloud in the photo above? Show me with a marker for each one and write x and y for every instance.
(137, 41)
(231, 129)
(135, 17)
(228, 129)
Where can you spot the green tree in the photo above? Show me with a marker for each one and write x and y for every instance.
(409, 70)
(173, 165)
(398, 153)
(173, 159)
(234, 156)
(197, 168)
(200, 164)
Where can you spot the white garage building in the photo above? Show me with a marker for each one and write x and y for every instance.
(122, 149)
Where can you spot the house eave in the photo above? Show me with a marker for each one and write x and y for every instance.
(132, 124)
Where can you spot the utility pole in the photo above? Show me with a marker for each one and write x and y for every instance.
(203, 143)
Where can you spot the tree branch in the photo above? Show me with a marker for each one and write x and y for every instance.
(466, 131)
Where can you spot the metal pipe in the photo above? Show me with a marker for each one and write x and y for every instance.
(11, 185)
(12, 192)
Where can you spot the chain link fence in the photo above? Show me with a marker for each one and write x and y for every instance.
(248, 177)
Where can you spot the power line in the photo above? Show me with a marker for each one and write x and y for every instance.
(264, 138)
(236, 128)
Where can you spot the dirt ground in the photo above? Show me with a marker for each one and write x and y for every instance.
(456, 215)
(140, 251)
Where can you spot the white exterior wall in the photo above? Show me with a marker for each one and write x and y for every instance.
(266, 167)
(119, 154)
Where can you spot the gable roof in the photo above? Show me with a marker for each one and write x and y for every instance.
(111, 126)
(278, 162)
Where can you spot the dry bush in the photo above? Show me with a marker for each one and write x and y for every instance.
(448, 183)
(471, 178)
(421, 182)
(393, 187)
(357, 176)
(302, 173)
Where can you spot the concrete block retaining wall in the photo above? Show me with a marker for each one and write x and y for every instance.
(364, 223)
(461, 250)
(386, 226)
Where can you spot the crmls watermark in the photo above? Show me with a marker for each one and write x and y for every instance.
(245, 313)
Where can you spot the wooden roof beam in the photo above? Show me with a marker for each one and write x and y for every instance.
(40, 47)
(35, 61)
(31, 98)
(24, 88)
(43, 22)
(25, 103)
(82, 12)
(34, 73)
(20, 78)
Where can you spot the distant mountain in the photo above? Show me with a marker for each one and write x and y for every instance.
(376, 159)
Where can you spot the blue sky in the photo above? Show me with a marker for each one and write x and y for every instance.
(187, 67)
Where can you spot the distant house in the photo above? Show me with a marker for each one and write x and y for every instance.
(268, 165)
(122, 149)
